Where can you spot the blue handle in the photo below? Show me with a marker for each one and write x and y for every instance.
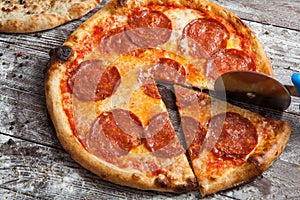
(296, 81)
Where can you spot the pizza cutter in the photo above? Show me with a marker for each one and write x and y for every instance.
(257, 88)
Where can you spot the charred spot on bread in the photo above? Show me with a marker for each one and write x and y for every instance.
(62, 53)
(122, 2)
(192, 184)
(161, 181)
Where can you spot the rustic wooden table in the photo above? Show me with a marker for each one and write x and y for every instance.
(33, 164)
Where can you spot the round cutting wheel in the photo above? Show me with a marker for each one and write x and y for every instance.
(254, 88)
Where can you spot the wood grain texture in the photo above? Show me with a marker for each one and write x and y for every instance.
(278, 13)
(33, 164)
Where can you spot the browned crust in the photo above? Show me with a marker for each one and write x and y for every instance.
(26, 23)
(232, 178)
(256, 164)
(264, 156)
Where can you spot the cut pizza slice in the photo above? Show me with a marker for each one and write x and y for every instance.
(227, 145)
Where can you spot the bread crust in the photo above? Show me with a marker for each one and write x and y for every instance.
(42, 16)
(232, 178)
(267, 152)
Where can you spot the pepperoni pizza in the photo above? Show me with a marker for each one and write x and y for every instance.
(102, 96)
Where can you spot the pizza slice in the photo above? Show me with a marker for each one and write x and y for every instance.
(227, 145)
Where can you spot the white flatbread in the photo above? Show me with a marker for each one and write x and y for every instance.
(24, 16)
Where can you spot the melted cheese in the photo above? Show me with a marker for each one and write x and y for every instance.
(180, 17)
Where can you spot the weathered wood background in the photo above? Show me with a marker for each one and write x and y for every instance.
(33, 164)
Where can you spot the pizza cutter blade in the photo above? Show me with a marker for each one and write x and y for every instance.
(257, 88)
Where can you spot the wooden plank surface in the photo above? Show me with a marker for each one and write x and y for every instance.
(276, 12)
(34, 165)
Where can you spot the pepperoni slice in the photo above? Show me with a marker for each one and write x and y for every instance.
(148, 84)
(151, 90)
(206, 36)
(115, 41)
(238, 136)
(231, 59)
(185, 97)
(93, 81)
(149, 28)
(169, 71)
(109, 82)
(161, 138)
(84, 80)
(114, 134)
(194, 134)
